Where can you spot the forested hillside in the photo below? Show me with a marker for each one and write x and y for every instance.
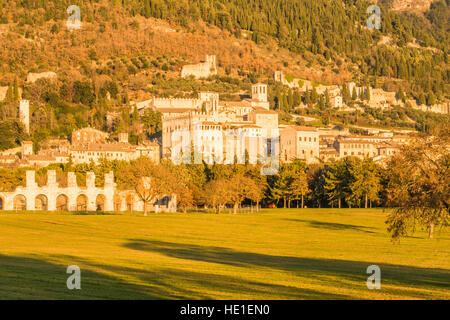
(334, 29)
(132, 49)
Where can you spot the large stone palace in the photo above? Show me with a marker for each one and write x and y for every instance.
(220, 130)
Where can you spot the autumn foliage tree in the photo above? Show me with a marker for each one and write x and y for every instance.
(149, 180)
(418, 187)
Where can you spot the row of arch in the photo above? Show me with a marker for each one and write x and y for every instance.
(62, 203)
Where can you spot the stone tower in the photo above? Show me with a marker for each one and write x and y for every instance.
(24, 114)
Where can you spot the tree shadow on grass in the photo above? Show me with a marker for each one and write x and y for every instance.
(171, 283)
(32, 278)
(334, 226)
(331, 272)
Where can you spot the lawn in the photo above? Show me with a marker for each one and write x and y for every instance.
(275, 254)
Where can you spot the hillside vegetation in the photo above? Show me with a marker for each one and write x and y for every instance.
(134, 49)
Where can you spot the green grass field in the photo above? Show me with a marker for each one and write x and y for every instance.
(275, 254)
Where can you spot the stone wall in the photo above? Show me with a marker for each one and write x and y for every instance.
(203, 69)
(160, 103)
(53, 197)
(33, 77)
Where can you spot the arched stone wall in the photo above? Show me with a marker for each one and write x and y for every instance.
(41, 203)
(62, 203)
(82, 202)
(20, 202)
(52, 197)
(100, 202)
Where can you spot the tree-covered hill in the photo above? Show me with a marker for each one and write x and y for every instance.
(334, 29)
(132, 49)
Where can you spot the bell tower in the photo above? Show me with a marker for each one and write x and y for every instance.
(259, 92)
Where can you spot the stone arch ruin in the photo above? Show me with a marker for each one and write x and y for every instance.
(53, 197)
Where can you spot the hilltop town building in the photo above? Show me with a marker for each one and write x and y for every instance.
(300, 143)
(88, 145)
(113, 151)
(217, 130)
(86, 136)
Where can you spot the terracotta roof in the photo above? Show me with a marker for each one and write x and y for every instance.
(262, 110)
(251, 126)
(239, 104)
(334, 152)
(367, 137)
(346, 141)
(112, 147)
(304, 128)
(8, 157)
(35, 157)
(175, 110)
(208, 123)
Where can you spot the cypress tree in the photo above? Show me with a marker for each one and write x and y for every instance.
(16, 90)
(354, 94)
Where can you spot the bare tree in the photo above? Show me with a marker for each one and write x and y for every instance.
(146, 191)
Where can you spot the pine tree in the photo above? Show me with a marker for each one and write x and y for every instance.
(147, 11)
(354, 94)
(314, 96)
(368, 93)
(16, 90)
(9, 94)
(307, 97)
(401, 95)
(346, 93)
(431, 98)
(290, 99)
(297, 98)
(422, 99)
(327, 99)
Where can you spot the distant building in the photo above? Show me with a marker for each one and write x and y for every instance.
(358, 148)
(87, 136)
(203, 69)
(299, 143)
(27, 148)
(218, 128)
(95, 152)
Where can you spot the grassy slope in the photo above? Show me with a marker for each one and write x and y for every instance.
(292, 254)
